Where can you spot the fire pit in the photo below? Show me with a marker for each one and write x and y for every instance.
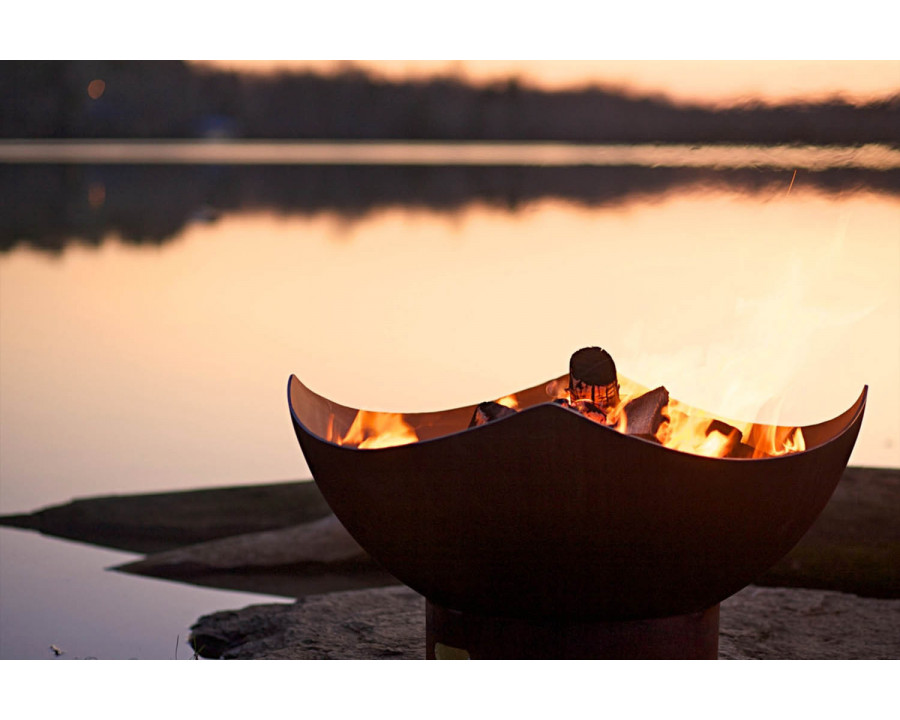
(557, 523)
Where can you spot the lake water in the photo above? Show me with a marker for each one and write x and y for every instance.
(151, 314)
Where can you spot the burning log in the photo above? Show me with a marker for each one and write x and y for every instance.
(593, 384)
(593, 378)
(743, 451)
(644, 414)
(488, 412)
(723, 440)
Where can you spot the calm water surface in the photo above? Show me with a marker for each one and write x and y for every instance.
(56, 592)
(141, 367)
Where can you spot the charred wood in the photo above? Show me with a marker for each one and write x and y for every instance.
(488, 412)
(593, 378)
(742, 451)
(644, 414)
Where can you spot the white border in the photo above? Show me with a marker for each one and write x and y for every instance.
(691, 29)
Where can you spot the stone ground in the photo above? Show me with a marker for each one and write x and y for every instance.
(389, 623)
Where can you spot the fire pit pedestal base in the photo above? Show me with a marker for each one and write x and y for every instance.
(454, 635)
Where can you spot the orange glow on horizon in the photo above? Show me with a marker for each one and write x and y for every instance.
(704, 81)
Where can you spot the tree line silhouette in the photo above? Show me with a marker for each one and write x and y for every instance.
(171, 99)
(51, 206)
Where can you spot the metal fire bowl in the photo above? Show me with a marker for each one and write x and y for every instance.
(546, 514)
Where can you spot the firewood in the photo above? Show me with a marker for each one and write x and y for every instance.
(593, 378)
(721, 427)
(744, 452)
(732, 434)
(644, 414)
(488, 412)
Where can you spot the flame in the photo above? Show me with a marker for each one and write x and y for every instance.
(684, 428)
(717, 444)
(775, 440)
(688, 430)
(371, 430)
(614, 417)
(557, 389)
(694, 431)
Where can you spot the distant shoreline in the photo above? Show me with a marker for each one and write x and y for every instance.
(169, 99)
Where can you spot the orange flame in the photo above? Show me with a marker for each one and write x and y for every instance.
(691, 430)
(775, 440)
(371, 430)
(684, 428)
(687, 430)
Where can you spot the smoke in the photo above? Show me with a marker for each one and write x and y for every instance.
(756, 364)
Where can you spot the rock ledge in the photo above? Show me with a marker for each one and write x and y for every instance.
(389, 623)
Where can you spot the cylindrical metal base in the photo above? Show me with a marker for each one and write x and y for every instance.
(454, 635)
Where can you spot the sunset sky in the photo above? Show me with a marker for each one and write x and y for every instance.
(722, 81)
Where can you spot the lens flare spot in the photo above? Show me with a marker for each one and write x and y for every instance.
(96, 88)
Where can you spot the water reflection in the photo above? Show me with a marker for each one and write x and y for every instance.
(49, 206)
(130, 370)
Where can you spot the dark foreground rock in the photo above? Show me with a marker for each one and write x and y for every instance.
(389, 623)
(769, 623)
(377, 624)
(308, 559)
(322, 542)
